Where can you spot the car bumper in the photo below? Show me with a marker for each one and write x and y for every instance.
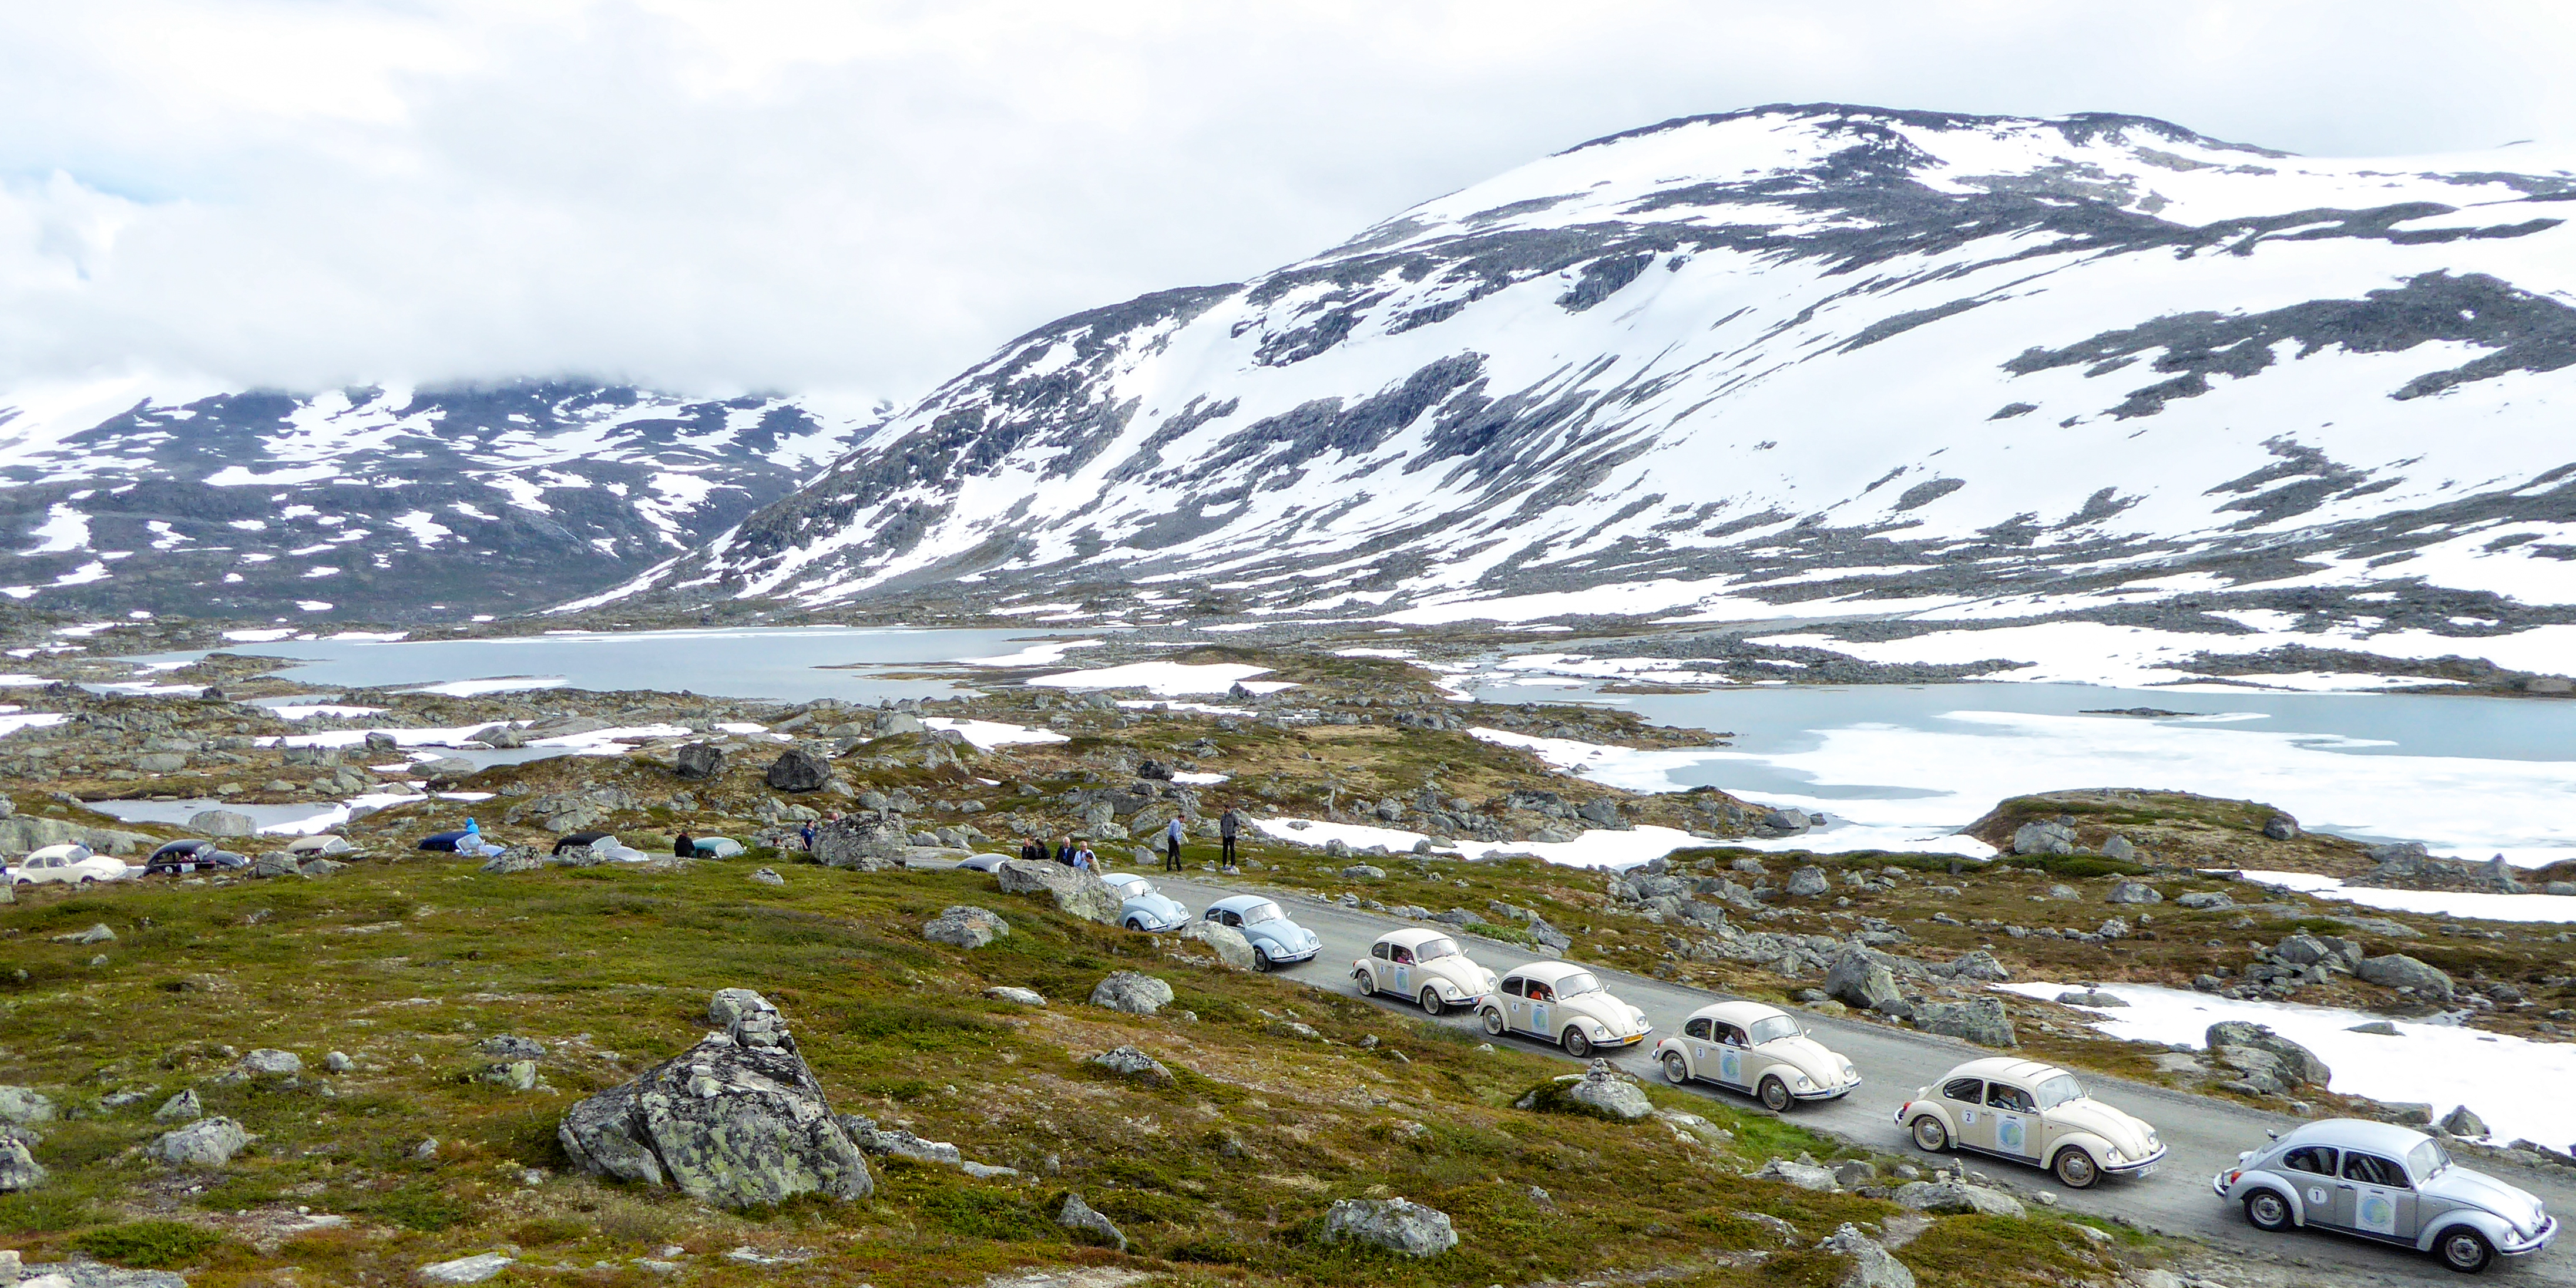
(2220, 1185)
(1828, 1093)
(1283, 956)
(2524, 1248)
(2135, 1167)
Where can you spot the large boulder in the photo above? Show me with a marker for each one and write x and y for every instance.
(1981, 1020)
(1872, 1265)
(1229, 944)
(25, 1105)
(2397, 970)
(222, 822)
(1134, 1065)
(1605, 1092)
(1125, 990)
(1077, 893)
(2135, 892)
(966, 926)
(207, 1142)
(799, 770)
(1082, 1219)
(1397, 1225)
(2205, 901)
(1806, 1176)
(736, 1120)
(699, 760)
(19, 1169)
(2043, 838)
(2281, 827)
(2463, 1122)
(1949, 1197)
(1981, 966)
(521, 858)
(1858, 979)
(1808, 881)
(863, 843)
(2294, 1065)
(444, 767)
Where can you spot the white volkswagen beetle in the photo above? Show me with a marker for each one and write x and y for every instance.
(1424, 965)
(1565, 1004)
(2031, 1113)
(2385, 1182)
(1751, 1047)
(70, 864)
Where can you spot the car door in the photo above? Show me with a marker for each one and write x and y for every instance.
(1540, 995)
(2383, 1200)
(1380, 968)
(2013, 1117)
(1736, 1065)
(1401, 958)
(2317, 1171)
(1695, 1046)
(1515, 1006)
(1966, 1101)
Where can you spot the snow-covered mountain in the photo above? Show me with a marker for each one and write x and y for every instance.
(382, 504)
(1915, 371)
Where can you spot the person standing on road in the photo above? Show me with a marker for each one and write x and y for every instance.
(1226, 827)
(1172, 846)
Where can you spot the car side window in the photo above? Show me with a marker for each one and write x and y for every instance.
(1512, 986)
(2372, 1170)
(2314, 1159)
(1731, 1035)
(1539, 992)
(1696, 1029)
(1967, 1090)
(1378, 951)
(1403, 955)
(2014, 1099)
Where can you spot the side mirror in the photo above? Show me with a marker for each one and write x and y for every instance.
(2271, 1134)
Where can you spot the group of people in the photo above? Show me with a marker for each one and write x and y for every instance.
(1076, 851)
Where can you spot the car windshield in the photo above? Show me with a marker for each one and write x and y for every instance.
(2056, 1091)
(1431, 948)
(1579, 982)
(1133, 888)
(2427, 1159)
(1261, 912)
(1774, 1029)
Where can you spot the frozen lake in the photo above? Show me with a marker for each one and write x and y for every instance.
(784, 663)
(1899, 766)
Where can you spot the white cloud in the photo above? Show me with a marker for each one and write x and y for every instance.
(708, 195)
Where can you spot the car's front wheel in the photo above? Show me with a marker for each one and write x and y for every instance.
(1431, 1004)
(2267, 1210)
(1135, 924)
(2464, 1250)
(1260, 958)
(1929, 1135)
(2075, 1169)
(1364, 982)
(1775, 1095)
(1676, 1069)
(1493, 1022)
(1577, 1045)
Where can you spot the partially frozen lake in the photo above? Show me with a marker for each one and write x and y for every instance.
(1898, 767)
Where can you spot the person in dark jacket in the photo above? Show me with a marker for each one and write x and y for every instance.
(1064, 853)
(806, 834)
(1226, 827)
(1033, 850)
(684, 846)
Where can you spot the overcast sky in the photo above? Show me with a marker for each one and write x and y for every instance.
(864, 198)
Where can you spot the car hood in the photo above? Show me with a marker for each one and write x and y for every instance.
(2477, 1189)
(1468, 976)
(1614, 1014)
(1284, 933)
(1811, 1057)
(1157, 905)
(2125, 1131)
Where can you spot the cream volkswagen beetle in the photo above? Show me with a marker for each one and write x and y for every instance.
(1424, 965)
(2032, 1113)
(2388, 1183)
(1563, 1003)
(1750, 1047)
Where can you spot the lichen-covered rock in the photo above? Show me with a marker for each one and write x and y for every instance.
(1956, 1197)
(1397, 1225)
(518, 858)
(19, 1169)
(1872, 1265)
(2397, 970)
(1981, 1020)
(207, 1142)
(222, 822)
(181, 1108)
(1981, 966)
(1859, 979)
(1808, 881)
(2043, 838)
(699, 760)
(276, 863)
(1806, 1176)
(1125, 990)
(25, 1105)
(1010, 993)
(2205, 901)
(2294, 1064)
(1080, 1218)
(1611, 1094)
(1076, 894)
(965, 926)
(2463, 1122)
(1229, 944)
(1134, 1065)
(736, 1120)
(861, 843)
(268, 1062)
(2135, 892)
(799, 770)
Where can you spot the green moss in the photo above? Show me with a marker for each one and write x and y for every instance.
(148, 1245)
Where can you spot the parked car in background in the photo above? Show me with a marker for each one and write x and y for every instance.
(1142, 907)
(1424, 965)
(179, 858)
(1276, 941)
(2389, 1184)
(321, 846)
(1563, 1003)
(1754, 1048)
(2032, 1113)
(68, 864)
(983, 862)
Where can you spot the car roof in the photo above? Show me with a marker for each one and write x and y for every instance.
(1738, 1013)
(1411, 936)
(1239, 902)
(1549, 972)
(2005, 1067)
(2357, 1133)
(1119, 878)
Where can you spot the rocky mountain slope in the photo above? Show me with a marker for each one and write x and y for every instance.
(1915, 373)
(379, 504)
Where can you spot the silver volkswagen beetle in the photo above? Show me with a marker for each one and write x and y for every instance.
(2386, 1183)
(1276, 941)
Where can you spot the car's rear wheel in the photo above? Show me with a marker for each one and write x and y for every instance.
(89, 881)
(1775, 1094)
(2075, 1169)
(2267, 1210)
(1260, 958)
(1493, 1022)
(1676, 1069)
(1431, 1003)
(1929, 1135)
(1135, 924)
(1364, 982)
(1577, 1045)
(2464, 1250)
